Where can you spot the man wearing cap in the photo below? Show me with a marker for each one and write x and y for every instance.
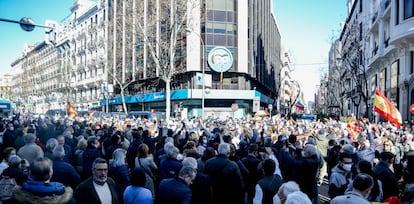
(384, 173)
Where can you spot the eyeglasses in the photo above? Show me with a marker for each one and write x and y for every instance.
(103, 170)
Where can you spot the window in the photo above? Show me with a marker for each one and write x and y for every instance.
(360, 5)
(219, 16)
(397, 12)
(394, 82)
(408, 9)
(373, 83)
(383, 79)
(411, 62)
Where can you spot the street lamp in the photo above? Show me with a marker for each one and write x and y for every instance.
(203, 70)
(25, 23)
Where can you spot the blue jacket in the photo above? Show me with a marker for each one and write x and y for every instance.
(65, 173)
(169, 167)
(174, 190)
(41, 192)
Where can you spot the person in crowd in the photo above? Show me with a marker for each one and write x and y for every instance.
(341, 175)
(322, 145)
(408, 179)
(118, 170)
(115, 143)
(30, 151)
(99, 188)
(39, 189)
(51, 144)
(297, 198)
(19, 142)
(68, 149)
(146, 161)
(307, 168)
(136, 192)
(376, 193)
(7, 152)
(89, 155)
(227, 182)
(361, 186)
(78, 156)
(284, 190)
(201, 189)
(387, 177)
(9, 136)
(251, 162)
(208, 153)
(176, 190)
(170, 165)
(133, 147)
(64, 172)
(332, 155)
(366, 148)
(14, 170)
(268, 186)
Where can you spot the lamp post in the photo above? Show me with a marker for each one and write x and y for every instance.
(203, 70)
(25, 23)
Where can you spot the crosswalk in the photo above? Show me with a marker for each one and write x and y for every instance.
(323, 192)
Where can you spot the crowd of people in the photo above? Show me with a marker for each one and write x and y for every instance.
(242, 161)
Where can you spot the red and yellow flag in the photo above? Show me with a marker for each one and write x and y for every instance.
(387, 110)
(70, 109)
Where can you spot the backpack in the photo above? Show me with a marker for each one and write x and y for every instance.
(7, 185)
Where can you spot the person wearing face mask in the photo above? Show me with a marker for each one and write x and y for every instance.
(362, 185)
(99, 188)
(341, 175)
(9, 136)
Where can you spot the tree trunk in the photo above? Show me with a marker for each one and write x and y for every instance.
(167, 99)
(123, 101)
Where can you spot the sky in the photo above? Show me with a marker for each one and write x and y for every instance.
(307, 28)
(13, 38)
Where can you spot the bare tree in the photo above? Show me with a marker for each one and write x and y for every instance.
(353, 74)
(161, 27)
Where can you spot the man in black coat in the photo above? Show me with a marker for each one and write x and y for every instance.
(99, 188)
(251, 162)
(225, 177)
(201, 189)
(306, 168)
(386, 176)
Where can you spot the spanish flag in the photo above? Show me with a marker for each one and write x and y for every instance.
(384, 107)
(71, 111)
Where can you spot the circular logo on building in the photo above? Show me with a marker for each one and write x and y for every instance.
(220, 59)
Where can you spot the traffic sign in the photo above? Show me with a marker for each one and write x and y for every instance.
(234, 107)
(412, 108)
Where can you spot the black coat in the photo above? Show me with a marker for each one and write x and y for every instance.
(388, 179)
(226, 180)
(85, 192)
(306, 172)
